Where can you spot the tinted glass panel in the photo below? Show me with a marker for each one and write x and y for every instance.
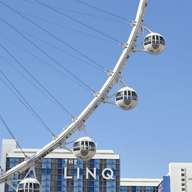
(119, 98)
(157, 37)
(36, 186)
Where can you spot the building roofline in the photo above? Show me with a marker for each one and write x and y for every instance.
(63, 153)
(140, 182)
(180, 163)
(10, 150)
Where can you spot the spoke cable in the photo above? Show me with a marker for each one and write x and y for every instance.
(67, 71)
(112, 17)
(60, 49)
(11, 134)
(22, 100)
(37, 81)
(102, 10)
(60, 25)
(52, 35)
(78, 21)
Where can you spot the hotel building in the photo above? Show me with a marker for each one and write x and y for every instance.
(61, 171)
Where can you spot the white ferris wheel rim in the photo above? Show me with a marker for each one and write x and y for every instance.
(94, 103)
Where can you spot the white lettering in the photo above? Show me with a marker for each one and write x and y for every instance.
(78, 173)
(92, 174)
(107, 174)
(65, 174)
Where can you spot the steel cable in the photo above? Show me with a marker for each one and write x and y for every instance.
(53, 36)
(37, 81)
(67, 71)
(23, 100)
(102, 10)
(79, 22)
(11, 134)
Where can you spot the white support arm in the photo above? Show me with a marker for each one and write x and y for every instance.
(97, 100)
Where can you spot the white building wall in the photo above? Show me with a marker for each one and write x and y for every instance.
(8, 146)
(139, 182)
(180, 177)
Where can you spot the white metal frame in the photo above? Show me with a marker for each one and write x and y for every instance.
(96, 101)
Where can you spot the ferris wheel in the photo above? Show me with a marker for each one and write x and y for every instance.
(125, 98)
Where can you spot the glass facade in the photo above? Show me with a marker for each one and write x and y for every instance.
(164, 185)
(138, 189)
(72, 175)
(60, 171)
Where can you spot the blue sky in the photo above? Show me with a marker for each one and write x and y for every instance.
(156, 132)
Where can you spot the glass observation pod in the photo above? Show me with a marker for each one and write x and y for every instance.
(29, 185)
(84, 148)
(154, 43)
(126, 98)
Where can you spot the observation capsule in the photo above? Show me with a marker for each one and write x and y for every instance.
(29, 184)
(126, 98)
(84, 148)
(154, 43)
